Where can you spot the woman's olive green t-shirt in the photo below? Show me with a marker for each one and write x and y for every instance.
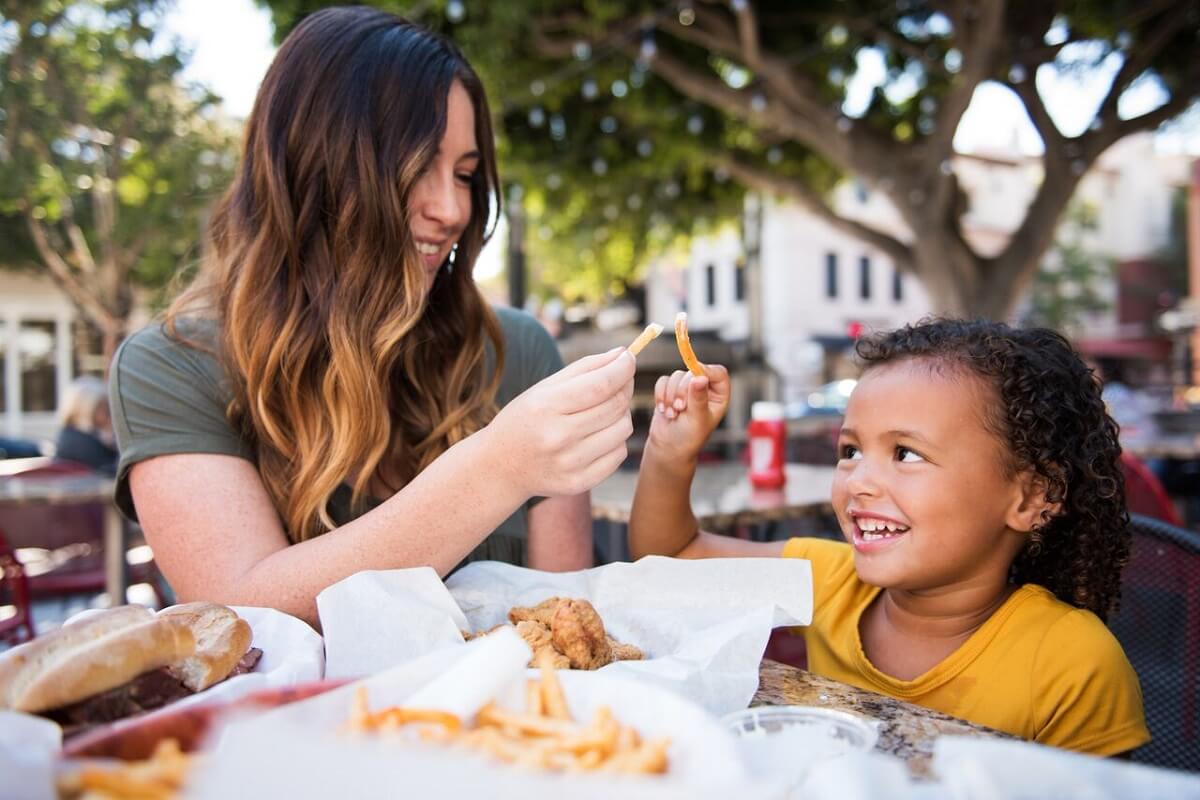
(170, 398)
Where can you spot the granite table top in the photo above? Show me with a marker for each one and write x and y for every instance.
(907, 731)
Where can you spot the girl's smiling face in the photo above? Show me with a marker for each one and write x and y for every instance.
(923, 489)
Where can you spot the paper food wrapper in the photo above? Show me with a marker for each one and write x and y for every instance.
(292, 653)
(297, 750)
(970, 766)
(703, 625)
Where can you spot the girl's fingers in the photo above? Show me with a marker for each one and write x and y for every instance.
(660, 394)
(676, 391)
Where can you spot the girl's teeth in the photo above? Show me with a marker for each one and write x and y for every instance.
(427, 249)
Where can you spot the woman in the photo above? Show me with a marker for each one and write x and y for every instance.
(86, 435)
(327, 401)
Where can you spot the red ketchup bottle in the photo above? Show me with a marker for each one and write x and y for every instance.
(767, 434)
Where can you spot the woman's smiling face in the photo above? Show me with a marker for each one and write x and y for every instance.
(923, 489)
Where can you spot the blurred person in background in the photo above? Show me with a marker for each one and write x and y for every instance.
(86, 435)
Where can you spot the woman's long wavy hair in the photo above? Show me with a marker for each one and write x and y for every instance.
(343, 367)
(1050, 417)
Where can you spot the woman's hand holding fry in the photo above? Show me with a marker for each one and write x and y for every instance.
(567, 433)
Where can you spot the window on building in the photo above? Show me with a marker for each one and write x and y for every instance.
(831, 275)
(897, 287)
(36, 354)
(739, 280)
(864, 278)
(710, 284)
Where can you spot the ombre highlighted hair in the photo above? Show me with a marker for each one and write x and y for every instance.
(343, 366)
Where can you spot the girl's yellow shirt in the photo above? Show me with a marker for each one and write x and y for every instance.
(1038, 668)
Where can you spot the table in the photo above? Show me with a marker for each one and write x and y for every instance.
(73, 490)
(722, 497)
(907, 731)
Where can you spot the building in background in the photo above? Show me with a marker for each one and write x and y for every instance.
(40, 353)
(823, 286)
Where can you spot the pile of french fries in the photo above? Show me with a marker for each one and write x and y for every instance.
(160, 777)
(543, 737)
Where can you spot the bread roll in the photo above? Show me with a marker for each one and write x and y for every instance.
(222, 638)
(90, 659)
(21, 664)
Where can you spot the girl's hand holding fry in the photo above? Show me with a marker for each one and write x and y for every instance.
(687, 409)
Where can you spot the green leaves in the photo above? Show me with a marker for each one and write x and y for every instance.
(104, 150)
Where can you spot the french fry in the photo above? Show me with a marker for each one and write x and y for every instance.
(533, 698)
(553, 699)
(544, 737)
(645, 337)
(685, 345)
(159, 777)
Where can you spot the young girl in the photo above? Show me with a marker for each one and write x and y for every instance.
(980, 498)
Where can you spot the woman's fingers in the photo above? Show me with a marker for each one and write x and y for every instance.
(584, 365)
(593, 387)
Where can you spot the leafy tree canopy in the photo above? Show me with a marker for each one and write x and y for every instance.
(623, 119)
(107, 162)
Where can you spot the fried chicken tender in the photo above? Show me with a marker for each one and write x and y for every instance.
(624, 652)
(542, 613)
(537, 636)
(578, 633)
(570, 632)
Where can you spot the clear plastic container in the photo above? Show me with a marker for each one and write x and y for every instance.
(824, 728)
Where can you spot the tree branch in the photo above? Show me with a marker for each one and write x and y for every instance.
(774, 183)
(978, 42)
(747, 25)
(1141, 57)
(1014, 265)
(61, 272)
(1028, 93)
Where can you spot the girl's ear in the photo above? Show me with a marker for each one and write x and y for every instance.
(1032, 505)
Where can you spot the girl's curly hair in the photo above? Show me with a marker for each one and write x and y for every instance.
(1053, 421)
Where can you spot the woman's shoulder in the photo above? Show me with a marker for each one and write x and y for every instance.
(530, 353)
(519, 325)
(157, 362)
(192, 342)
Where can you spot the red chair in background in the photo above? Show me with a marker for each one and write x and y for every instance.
(787, 646)
(1144, 492)
(70, 535)
(14, 591)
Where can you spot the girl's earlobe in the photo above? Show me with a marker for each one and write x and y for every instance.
(1033, 507)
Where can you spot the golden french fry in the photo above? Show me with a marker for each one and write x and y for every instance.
(553, 700)
(533, 698)
(645, 337)
(685, 345)
(544, 737)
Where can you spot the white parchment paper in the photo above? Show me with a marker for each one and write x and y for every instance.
(292, 653)
(296, 750)
(703, 625)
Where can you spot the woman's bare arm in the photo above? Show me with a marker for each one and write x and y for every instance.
(216, 535)
(560, 533)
